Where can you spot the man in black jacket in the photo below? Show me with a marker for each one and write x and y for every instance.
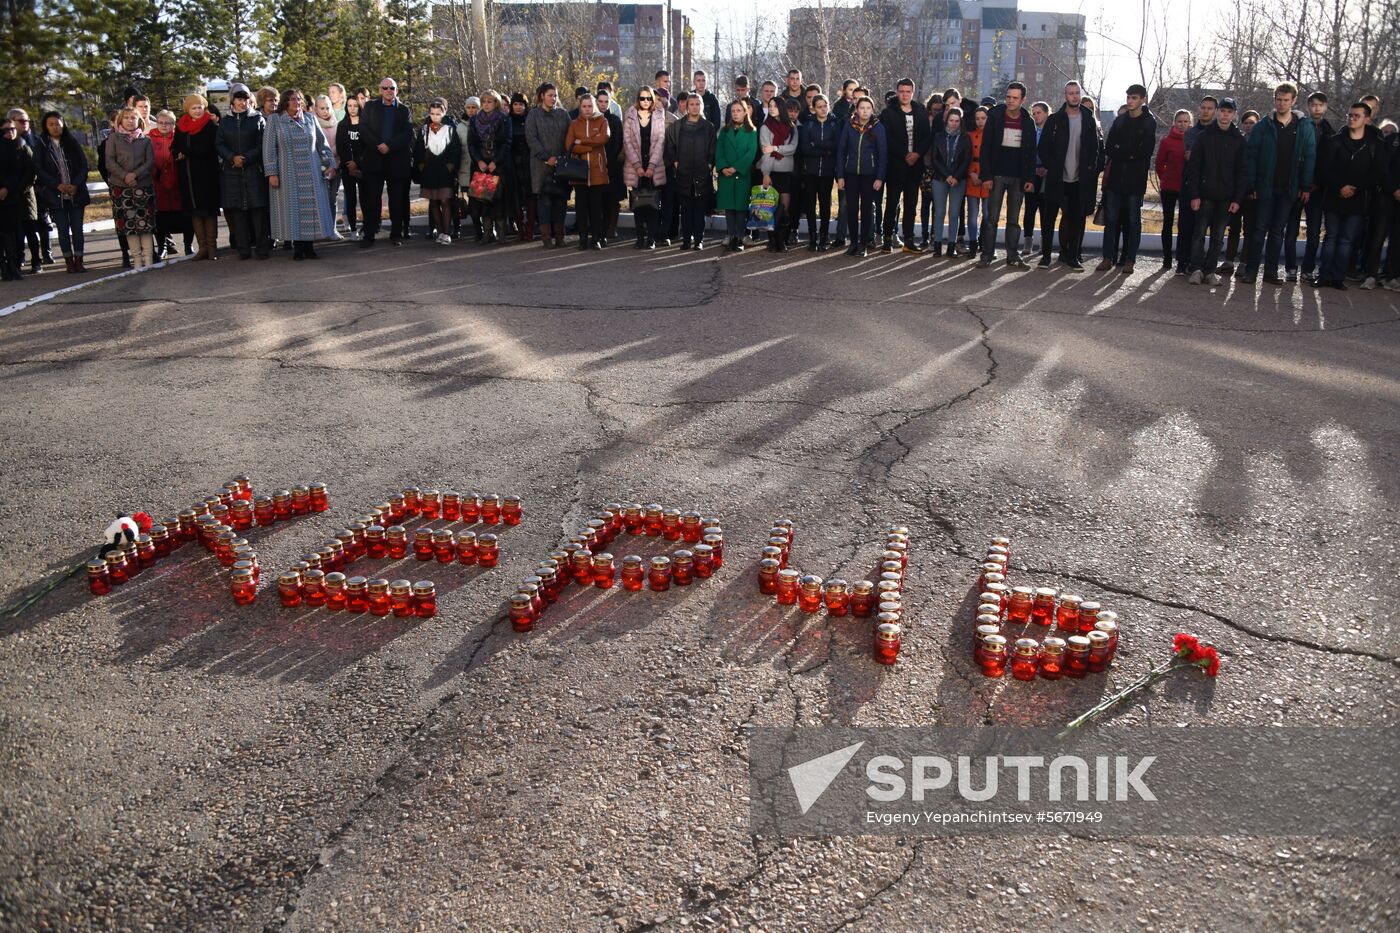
(907, 134)
(1214, 186)
(711, 102)
(1131, 142)
(386, 126)
(1312, 210)
(1069, 150)
(1008, 159)
(1391, 190)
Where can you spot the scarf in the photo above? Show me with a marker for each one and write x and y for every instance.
(863, 129)
(131, 136)
(327, 126)
(437, 139)
(190, 125)
(780, 130)
(61, 157)
(485, 123)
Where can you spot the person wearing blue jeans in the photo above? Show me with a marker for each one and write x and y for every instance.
(61, 170)
(1129, 147)
(1311, 212)
(1281, 156)
(1356, 165)
(950, 158)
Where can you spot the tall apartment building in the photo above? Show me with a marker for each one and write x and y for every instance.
(976, 45)
(630, 40)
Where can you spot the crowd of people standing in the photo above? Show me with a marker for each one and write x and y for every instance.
(1236, 190)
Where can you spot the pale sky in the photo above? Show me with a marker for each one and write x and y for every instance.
(1118, 66)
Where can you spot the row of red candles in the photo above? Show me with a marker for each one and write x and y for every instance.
(1091, 640)
(215, 523)
(584, 560)
(809, 592)
(317, 579)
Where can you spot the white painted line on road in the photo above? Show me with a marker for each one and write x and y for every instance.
(37, 299)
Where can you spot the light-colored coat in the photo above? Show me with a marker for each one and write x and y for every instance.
(296, 152)
(632, 148)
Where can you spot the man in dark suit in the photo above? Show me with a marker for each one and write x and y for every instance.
(387, 129)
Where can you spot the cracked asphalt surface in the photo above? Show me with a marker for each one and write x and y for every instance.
(1201, 459)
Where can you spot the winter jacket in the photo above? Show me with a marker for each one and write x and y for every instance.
(690, 156)
(1323, 133)
(544, 134)
(616, 183)
(1216, 169)
(17, 178)
(1193, 133)
(784, 159)
(201, 181)
(436, 170)
(897, 136)
(736, 149)
(1262, 153)
(860, 154)
(992, 134)
(130, 156)
(1054, 146)
(242, 189)
(1360, 163)
(710, 107)
(1129, 147)
(939, 165)
(655, 156)
(983, 188)
(587, 137)
(478, 150)
(1171, 160)
(49, 176)
(167, 174)
(816, 147)
(390, 126)
(1391, 183)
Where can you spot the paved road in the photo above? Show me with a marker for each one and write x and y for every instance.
(1207, 459)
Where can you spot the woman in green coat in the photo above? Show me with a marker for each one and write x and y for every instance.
(734, 156)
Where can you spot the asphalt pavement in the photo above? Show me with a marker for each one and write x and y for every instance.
(1218, 460)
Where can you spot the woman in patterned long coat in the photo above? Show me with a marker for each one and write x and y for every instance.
(298, 160)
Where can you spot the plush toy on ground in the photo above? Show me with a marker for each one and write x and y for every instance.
(125, 528)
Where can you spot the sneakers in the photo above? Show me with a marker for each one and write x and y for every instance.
(1212, 279)
(1016, 263)
(1226, 269)
(444, 239)
(1044, 261)
(1196, 278)
(1392, 286)
(1291, 276)
(1369, 284)
(984, 263)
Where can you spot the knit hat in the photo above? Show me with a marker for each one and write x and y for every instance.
(519, 98)
(473, 102)
(239, 90)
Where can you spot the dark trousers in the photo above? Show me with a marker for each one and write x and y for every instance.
(398, 204)
(1185, 230)
(816, 190)
(1266, 242)
(694, 210)
(1169, 204)
(860, 208)
(1211, 219)
(248, 231)
(37, 233)
(1035, 208)
(11, 253)
(588, 208)
(1069, 204)
(1342, 230)
(1392, 255)
(902, 188)
(1312, 213)
(1123, 215)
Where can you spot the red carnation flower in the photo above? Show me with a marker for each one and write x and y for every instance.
(1184, 643)
(1210, 661)
(143, 521)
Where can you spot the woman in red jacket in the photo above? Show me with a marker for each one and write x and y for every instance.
(170, 207)
(1171, 167)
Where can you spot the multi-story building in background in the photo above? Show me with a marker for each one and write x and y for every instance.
(629, 41)
(976, 45)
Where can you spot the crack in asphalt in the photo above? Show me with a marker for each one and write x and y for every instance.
(884, 889)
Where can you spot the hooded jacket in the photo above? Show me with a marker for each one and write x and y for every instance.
(588, 137)
(1171, 160)
(241, 134)
(1216, 169)
(1128, 148)
(861, 154)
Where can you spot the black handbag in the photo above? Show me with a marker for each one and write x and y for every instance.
(647, 197)
(571, 171)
